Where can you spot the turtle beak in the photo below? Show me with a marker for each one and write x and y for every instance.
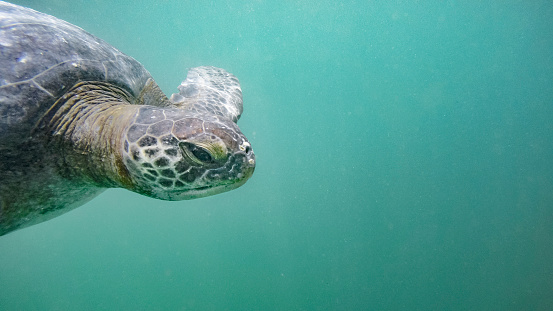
(250, 159)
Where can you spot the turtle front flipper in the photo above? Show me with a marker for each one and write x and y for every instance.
(210, 91)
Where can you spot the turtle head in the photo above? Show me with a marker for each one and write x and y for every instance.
(172, 154)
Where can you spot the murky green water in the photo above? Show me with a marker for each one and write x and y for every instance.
(405, 162)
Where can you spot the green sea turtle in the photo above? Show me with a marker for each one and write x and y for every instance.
(77, 116)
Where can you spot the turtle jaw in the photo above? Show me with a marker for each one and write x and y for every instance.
(205, 191)
(245, 164)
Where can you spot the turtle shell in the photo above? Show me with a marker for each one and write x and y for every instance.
(42, 57)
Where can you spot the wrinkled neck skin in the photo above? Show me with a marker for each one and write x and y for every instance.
(87, 127)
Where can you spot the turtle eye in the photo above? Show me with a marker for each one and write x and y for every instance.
(197, 153)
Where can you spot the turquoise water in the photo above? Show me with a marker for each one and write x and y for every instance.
(404, 162)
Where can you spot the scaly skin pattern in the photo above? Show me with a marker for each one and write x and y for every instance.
(172, 154)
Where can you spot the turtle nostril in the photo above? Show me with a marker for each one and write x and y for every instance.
(245, 147)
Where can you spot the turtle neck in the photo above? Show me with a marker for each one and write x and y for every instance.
(88, 127)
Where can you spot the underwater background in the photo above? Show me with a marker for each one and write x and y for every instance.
(404, 162)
